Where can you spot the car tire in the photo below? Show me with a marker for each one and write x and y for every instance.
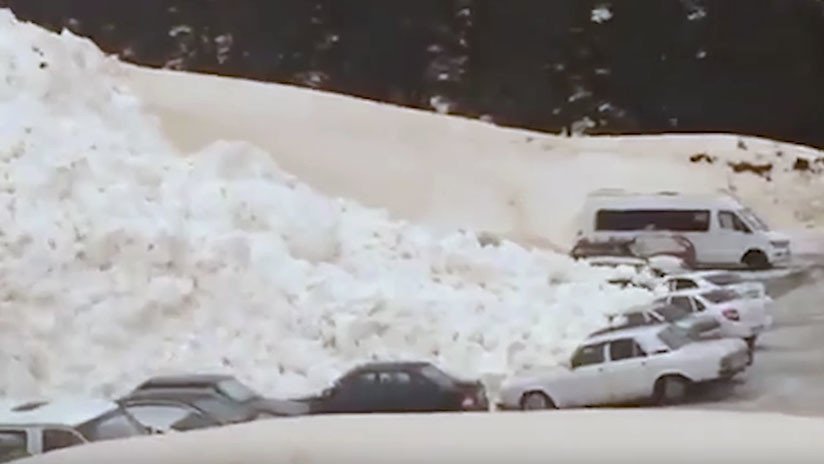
(535, 401)
(756, 260)
(670, 390)
(751, 347)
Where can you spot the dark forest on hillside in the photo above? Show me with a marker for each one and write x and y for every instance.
(640, 66)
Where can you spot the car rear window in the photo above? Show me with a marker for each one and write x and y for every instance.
(438, 376)
(13, 445)
(672, 313)
(723, 279)
(110, 426)
(237, 391)
(674, 337)
(720, 296)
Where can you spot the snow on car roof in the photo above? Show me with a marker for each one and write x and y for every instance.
(614, 261)
(644, 331)
(66, 411)
(707, 273)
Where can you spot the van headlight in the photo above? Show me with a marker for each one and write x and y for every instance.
(780, 243)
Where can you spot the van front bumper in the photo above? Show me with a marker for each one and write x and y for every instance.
(780, 256)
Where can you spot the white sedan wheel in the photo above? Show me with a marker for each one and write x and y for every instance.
(535, 401)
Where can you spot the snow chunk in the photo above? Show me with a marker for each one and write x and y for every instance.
(601, 14)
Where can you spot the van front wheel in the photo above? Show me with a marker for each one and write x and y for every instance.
(756, 260)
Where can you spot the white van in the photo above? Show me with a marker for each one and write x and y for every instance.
(724, 232)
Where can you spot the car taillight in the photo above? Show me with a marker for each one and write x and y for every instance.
(468, 402)
(731, 314)
(726, 362)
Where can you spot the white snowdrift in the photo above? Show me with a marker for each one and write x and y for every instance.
(120, 258)
(583, 436)
(449, 172)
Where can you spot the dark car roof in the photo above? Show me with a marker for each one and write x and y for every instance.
(184, 379)
(401, 365)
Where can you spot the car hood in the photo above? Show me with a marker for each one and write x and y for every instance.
(775, 235)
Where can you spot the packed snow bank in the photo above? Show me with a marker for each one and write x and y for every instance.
(583, 436)
(451, 172)
(120, 258)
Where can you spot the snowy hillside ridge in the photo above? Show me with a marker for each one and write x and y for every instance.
(120, 258)
(466, 173)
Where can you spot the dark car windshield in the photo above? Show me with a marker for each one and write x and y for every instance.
(674, 337)
(726, 278)
(720, 296)
(113, 425)
(672, 313)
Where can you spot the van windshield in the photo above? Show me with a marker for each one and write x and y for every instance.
(753, 220)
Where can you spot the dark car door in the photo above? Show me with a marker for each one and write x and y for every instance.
(405, 391)
(434, 391)
(356, 393)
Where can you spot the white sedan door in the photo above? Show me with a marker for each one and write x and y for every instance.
(587, 384)
(627, 374)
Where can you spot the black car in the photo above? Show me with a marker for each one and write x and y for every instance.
(399, 387)
(219, 399)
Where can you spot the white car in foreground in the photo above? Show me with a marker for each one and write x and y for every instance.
(30, 428)
(716, 280)
(739, 316)
(653, 362)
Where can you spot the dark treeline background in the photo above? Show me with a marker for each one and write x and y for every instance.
(625, 66)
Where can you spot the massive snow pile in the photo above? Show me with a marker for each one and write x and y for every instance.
(120, 258)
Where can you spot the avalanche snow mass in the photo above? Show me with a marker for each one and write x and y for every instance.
(120, 258)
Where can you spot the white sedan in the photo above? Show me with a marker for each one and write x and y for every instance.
(658, 362)
(739, 316)
(715, 280)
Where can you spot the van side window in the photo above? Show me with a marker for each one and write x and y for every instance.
(643, 219)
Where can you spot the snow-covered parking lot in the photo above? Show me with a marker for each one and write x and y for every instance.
(788, 375)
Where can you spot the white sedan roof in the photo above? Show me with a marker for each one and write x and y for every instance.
(644, 332)
(67, 411)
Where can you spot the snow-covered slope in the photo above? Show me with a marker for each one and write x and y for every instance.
(450, 172)
(120, 258)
